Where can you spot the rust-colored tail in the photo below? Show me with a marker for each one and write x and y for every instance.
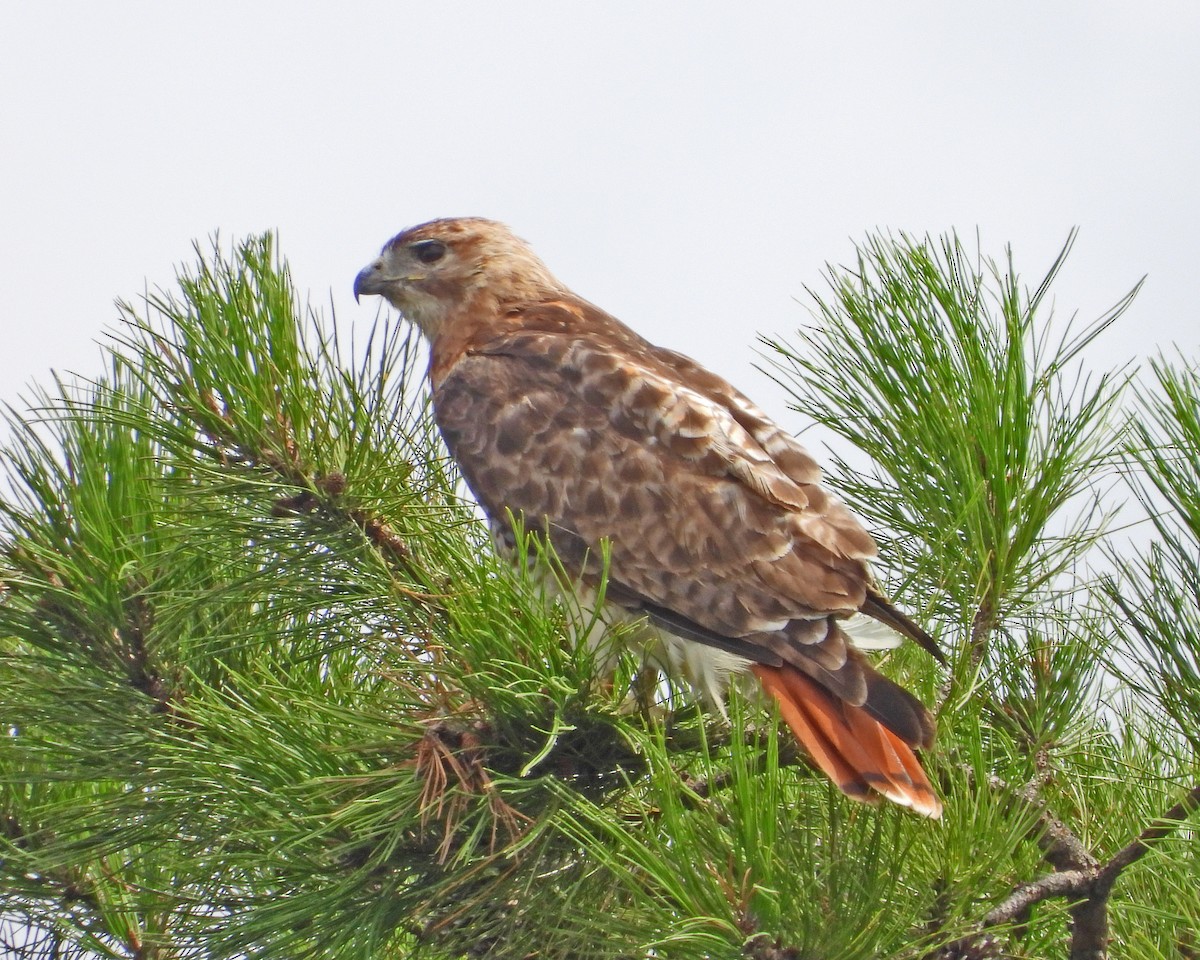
(863, 758)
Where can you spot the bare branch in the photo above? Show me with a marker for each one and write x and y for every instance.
(1078, 874)
(1161, 828)
(1064, 884)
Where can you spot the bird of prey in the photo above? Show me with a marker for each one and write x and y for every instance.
(719, 533)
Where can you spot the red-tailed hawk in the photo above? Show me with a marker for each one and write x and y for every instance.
(720, 533)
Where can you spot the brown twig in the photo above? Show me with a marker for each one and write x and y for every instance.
(1079, 876)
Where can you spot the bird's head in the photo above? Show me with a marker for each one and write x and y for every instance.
(438, 270)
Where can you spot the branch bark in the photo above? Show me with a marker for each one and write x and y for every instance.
(1079, 876)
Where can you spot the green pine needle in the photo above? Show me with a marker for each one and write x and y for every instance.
(266, 691)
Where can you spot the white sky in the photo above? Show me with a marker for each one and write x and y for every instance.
(688, 166)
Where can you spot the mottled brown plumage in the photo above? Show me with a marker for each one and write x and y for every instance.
(720, 533)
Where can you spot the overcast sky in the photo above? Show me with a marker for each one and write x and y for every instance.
(688, 166)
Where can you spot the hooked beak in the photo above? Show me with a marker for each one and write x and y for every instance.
(369, 281)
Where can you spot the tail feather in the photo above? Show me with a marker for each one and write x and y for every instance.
(851, 733)
(882, 610)
(824, 753)
(863, 758)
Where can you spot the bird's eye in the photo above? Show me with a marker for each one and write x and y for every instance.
(429, 251)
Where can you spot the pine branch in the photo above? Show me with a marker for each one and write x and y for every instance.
(275, 696)
(1079, 875)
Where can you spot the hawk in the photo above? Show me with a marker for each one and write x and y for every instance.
(719, 532)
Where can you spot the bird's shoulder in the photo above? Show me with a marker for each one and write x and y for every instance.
(584, 342)
(569, 352)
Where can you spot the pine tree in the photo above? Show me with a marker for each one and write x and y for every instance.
(266, 692)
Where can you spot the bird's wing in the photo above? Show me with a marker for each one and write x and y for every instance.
(604, 443)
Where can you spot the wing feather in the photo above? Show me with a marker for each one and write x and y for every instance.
(611, 442)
